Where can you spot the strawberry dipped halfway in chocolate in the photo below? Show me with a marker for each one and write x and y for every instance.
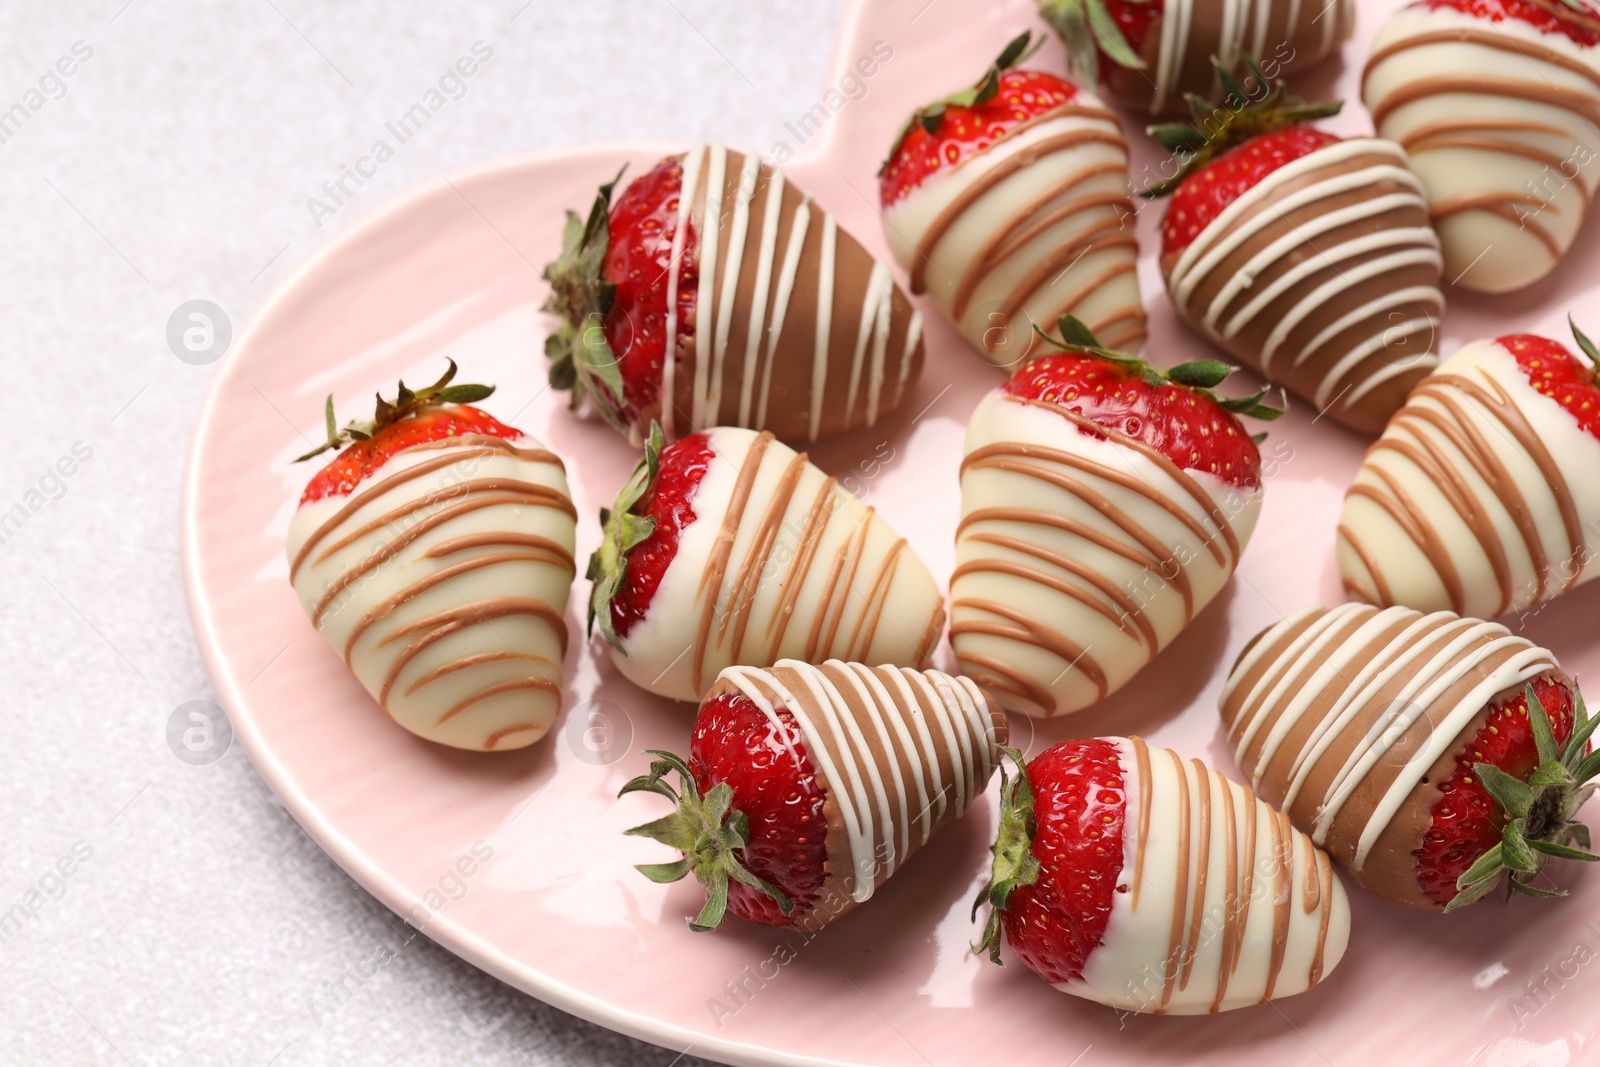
(1103, 504)
(807, 787)
(434, 553)
(1153, 55)
(1498, 104)
(1432, 755)
(1481, 496)
(1307, 256)
(1131, 876)
(713, 292)
(728, 548)
(1008, 204)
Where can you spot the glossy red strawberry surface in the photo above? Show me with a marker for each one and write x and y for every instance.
(1207, 192)
(966, 131)
(1466, 820)
(775, 786)
(1079, 801)
(1134, 18)
(669, 501)
(1187, 428)
(642, 224)
(1553, 17)
(356, 461)
(1556, 372)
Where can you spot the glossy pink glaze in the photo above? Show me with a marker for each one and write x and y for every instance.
(558, 910)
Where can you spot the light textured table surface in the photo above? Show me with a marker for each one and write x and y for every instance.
(196, 923)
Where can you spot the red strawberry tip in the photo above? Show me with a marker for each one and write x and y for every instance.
(581, 359)
(1014, 862)
(1089, 32)
(709, 833)
(622, 530)
(1199, 376)
(406, 404)
(1230, 122)
(1542, 809)
(980, 92)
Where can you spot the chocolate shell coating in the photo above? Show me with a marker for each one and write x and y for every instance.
(899, 753)
(1351, 718)
(797, 330)
(1325, 278)
(1285, 37)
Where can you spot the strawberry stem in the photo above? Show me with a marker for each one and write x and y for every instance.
(406, 403)
(1230, 122)
(621, 532)
(581, 359)
(1588, 349)
(1089, 31)
(1014, 862)
(707, 831)
(1540, 810)
(1197, 376)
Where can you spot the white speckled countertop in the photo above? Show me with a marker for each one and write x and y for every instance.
(153, 153)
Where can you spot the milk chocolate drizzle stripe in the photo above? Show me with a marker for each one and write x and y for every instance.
(732, 620)
(717, 200)
(1442, 411)
(1199, 793)
(1472, 132)
(1019, 160)
(1332, 664)
(1044, 463)
(482, 447)
(841, 710)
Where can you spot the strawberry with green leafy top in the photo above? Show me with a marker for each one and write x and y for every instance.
(1306, 256)
(434, 554)
(1104, 503)
(790, 327)
(770, 815)
(1008, 203)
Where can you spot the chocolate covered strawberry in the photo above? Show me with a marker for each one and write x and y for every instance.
(1481, 495)
(1134, 877)
(1307, 256)
(1432, 755)
(1154, 54)
(807, 787)
(1008, 204)
(1103, 504)
(728, 547)
(434, 553)
(713, 292)
(1497, 102)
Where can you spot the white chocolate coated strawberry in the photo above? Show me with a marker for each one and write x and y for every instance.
(781, 562)
(1502, 124)
(1037, 225)
(1227, 905)
(442, 581)
(1080, 555)
(1481, 497)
